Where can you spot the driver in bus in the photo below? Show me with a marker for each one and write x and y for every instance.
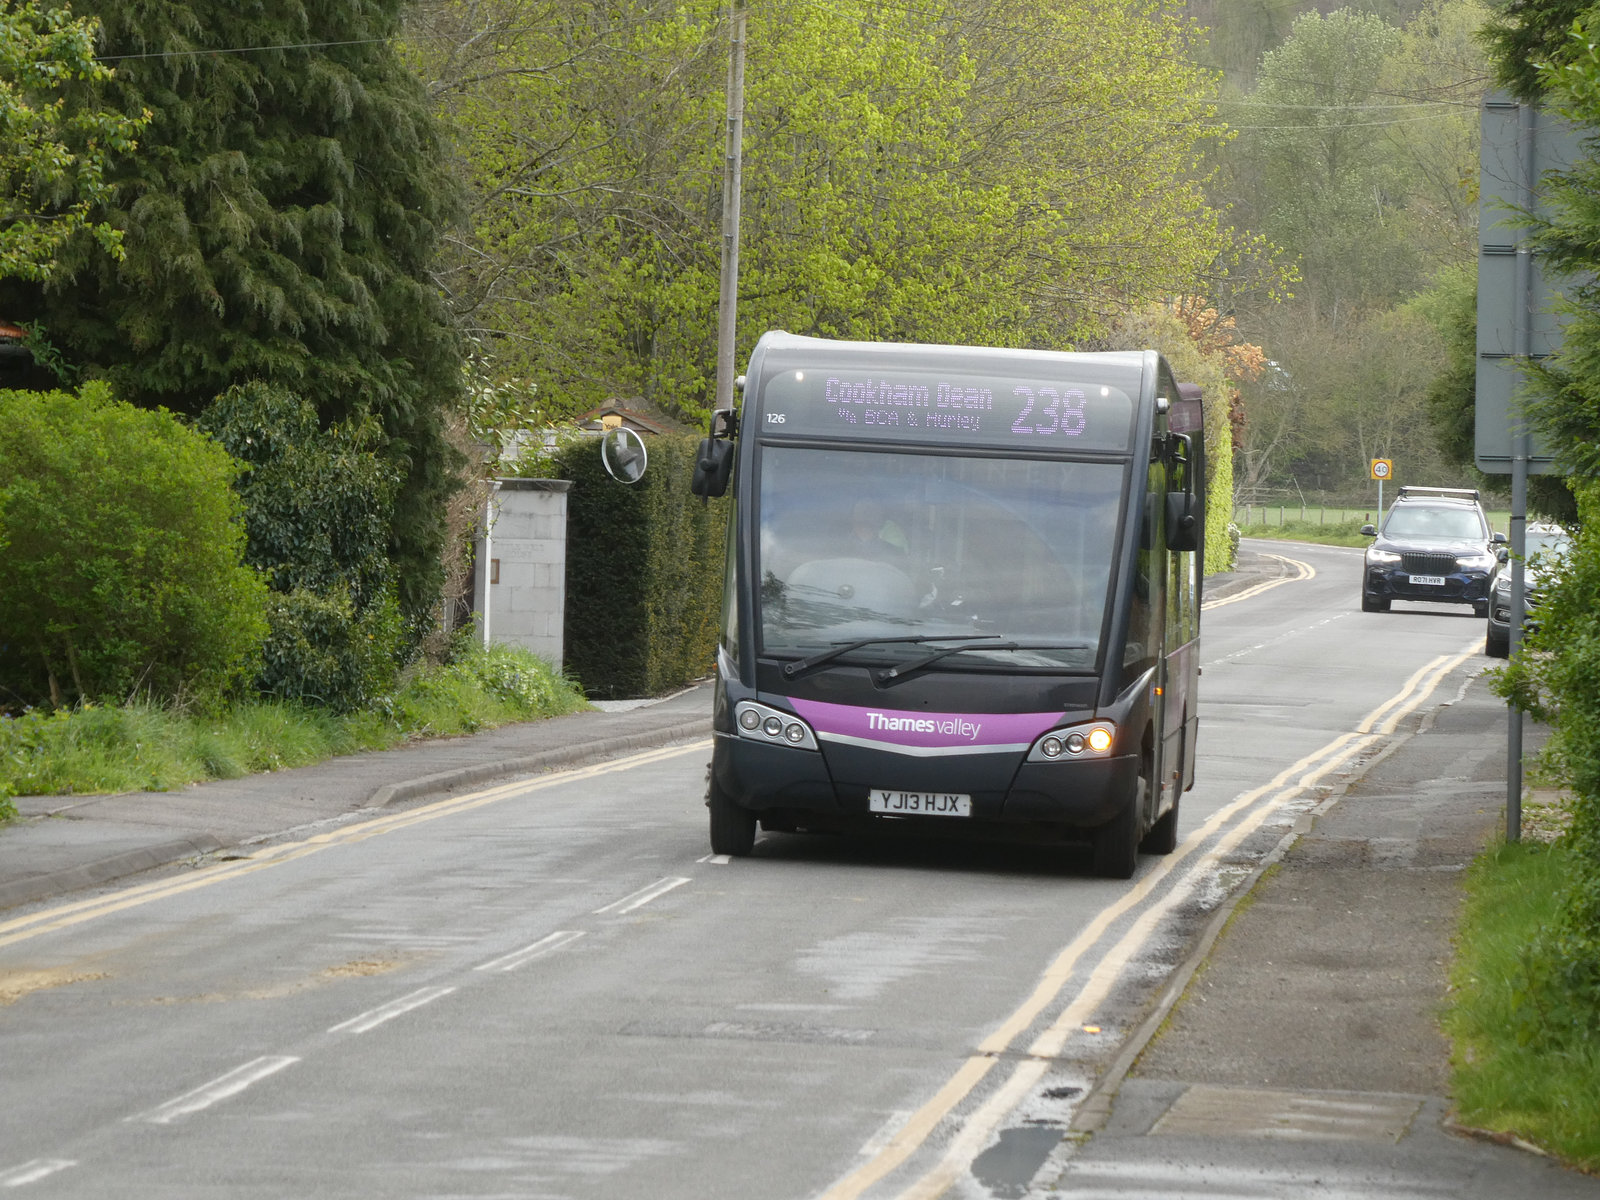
(874, 535)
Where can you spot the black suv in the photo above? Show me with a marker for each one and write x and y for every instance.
(1435, 545)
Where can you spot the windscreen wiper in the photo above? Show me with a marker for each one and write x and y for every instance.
(894, 674)
(801, 665)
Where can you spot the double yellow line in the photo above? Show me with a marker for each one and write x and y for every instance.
(976, 1130)
(1297, 571)
(67, 915)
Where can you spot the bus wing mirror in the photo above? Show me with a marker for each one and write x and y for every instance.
(1183, 521)
(713, 461)
(1185, 508)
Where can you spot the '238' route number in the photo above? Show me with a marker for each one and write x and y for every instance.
(1062, 412)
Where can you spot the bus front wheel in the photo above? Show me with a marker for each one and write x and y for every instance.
(733, 829)
(1116, 843)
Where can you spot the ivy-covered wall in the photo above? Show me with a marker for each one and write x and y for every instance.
(644, 572)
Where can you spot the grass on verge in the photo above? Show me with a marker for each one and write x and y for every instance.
(145, 747)
(1343, 533)
(1340, 530)
(1510, 1076)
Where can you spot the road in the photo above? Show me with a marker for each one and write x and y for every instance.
(549, 989)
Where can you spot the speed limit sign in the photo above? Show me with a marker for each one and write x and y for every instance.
(1381, 467)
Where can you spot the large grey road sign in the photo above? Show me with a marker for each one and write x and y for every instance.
(1516, 300)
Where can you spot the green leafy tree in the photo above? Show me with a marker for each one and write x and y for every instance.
(1524, 36)
(959, 171)
(279, 224)
(54, 150)
(123, 568)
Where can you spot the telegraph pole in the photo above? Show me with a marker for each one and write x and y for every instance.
(728, 302)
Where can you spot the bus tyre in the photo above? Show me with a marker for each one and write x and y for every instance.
(1163, 835)
(733, 829)
(1116, 843)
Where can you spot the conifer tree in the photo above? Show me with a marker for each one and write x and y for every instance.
(279, 224)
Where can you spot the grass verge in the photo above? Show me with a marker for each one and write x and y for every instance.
(145, 747)
(1342, 533)
(1511, 1073)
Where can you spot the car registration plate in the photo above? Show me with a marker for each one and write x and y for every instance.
(1428, 580)
(922, 804)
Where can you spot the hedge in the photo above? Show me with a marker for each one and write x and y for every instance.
(644, 572)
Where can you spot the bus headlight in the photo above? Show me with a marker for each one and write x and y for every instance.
(1093, 740)
(759, 723)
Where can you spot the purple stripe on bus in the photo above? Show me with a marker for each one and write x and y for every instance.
(925, 729)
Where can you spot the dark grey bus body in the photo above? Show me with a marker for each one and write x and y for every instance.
(962, 596)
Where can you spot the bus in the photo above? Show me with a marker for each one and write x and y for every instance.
(962, 595)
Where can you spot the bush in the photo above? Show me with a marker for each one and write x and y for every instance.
(322, 651)
(1557, 678)
(644, 572)
(318, 505)
(482, 687)
(122, 569)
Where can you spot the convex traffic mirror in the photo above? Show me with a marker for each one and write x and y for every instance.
(623, 455)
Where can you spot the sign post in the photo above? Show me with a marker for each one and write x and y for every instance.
(1382, 468)
(1519, 322)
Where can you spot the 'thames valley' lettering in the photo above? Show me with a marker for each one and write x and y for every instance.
(951, 727)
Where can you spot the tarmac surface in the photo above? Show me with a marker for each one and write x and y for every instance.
(63, 843)
(1296, 1052)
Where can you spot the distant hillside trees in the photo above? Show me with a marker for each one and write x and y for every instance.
(1356, 152)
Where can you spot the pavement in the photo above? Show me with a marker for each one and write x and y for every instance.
(1295, 1053)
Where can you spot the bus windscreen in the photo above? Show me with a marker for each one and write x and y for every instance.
(1046, 409)
(856, 544)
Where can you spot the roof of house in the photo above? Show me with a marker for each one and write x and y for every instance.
(634, 413)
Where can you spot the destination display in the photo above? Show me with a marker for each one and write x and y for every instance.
(910, 405)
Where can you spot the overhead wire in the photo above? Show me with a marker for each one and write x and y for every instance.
(909, 9)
